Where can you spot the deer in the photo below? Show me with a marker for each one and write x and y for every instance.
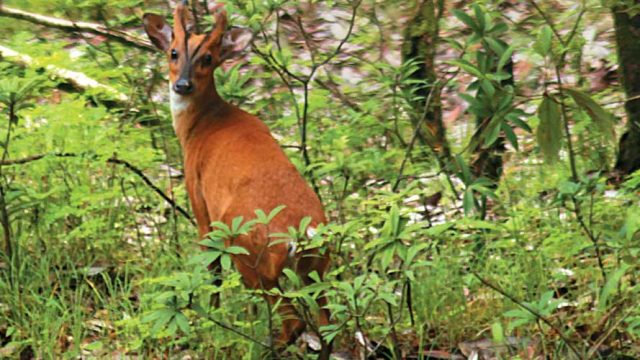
(232, 163)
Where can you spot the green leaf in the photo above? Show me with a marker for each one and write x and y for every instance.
(96, 345)
(515, 119)
(611, 286)
(468, 201)
(388, 298)
(632, 223)
(467, 20)
(183, 323)
(304, 223)
(292, 276)
(497, 332)
(492, 132)
(275, 212)
(205, 258)
(467, 66)
(499, 28)
(480, 17)
(542, 45)
(237, 250)
(505, 57)
(549, 132)
(568, 187)
(600, 117)
(235, 224)
(225, 261)
(510, 135)
(464, 169)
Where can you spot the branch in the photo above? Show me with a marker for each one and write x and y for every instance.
(122, 37)
(150, 184)
(112, 160)
(78, 80)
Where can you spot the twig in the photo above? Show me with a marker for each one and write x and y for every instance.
(238, 332)
(149, 183)
(345, 39)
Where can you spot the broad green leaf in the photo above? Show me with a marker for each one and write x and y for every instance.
(183, 323)
(549, 132)
(467, 20)
(568, 187)
(467, 66)
(543, 42)
(497, 332)
(600, 117)
(237, 250)
(225, 261)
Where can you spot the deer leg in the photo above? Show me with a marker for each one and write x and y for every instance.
(292, 324)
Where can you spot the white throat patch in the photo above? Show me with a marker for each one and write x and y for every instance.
(178, 104)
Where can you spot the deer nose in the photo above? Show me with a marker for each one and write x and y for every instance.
(183, 87)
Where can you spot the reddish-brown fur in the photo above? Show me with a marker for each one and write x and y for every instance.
(234, 166)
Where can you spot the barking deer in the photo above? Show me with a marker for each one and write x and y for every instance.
(232, 163)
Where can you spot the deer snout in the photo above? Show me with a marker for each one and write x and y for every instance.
(183, 87)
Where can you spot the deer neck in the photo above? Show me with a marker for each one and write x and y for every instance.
(188, 111)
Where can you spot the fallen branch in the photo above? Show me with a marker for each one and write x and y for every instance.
(112, 160)
(78, 80)
(122, 37)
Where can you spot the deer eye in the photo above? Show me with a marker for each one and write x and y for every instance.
(174, 54)
(207, 60)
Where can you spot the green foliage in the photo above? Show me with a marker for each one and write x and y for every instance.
(549, 132)
(101, 266)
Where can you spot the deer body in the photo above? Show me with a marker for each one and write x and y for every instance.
(232, 163)
(234, 166)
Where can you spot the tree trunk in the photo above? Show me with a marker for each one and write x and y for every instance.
(628, 41)
(421, 40)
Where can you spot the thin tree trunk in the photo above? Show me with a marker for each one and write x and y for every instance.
(627, 31)
(421, 41)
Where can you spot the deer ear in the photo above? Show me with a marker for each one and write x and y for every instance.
(234, 41)
(158, 30)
